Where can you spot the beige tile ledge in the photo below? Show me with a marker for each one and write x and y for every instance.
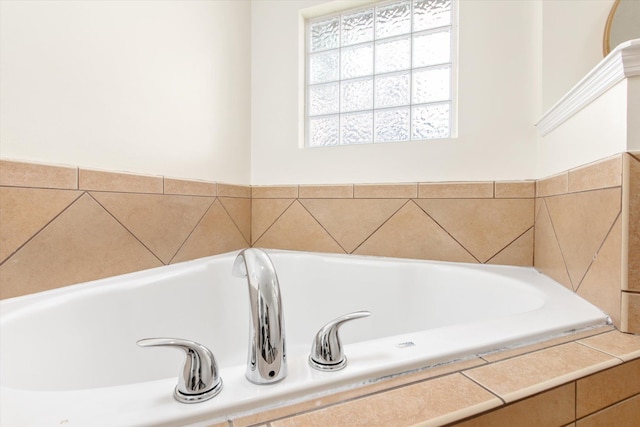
(481, 385)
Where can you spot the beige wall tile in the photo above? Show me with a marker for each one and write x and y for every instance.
(621, 345)
(581, 222)
(239, 209)
(351, 221)
(411, 233)
(558, 184)
(230, 190)
(631, 218)
(190, 188)
(607, 387)
(516, 378)
(624, 414)
(455, 190)
(483, 226)
(264, 212)
(215, 234)
(25, 211)
(325, 191)
(515, 189)
(296, 229)
(547, 257)
(555, 407)
(161, 222)
(519, 252)
(630, 312)
(89, 179)
(603, 280)
(438, 401)
(602, 174)
(275, 192)
(20, 174)
(385, 191)
(83, 243)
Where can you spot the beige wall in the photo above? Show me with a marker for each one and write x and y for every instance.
(158, 87)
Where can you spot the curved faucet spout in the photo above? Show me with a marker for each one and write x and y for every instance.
(266, 360)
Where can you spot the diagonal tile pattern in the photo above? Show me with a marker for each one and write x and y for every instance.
(581, 222)
(411, 233)
(547, 254)
(160, 222)
(351, 221)
(216, 233)
(264, 212)
(296, 229)
(42, 205)
(84, 234)
(482, 226)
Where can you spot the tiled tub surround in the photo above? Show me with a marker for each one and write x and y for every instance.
(587, 235)
(64, 225)
(485, 222)
(586, 381)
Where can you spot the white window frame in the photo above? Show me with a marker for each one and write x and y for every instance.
(453, 83)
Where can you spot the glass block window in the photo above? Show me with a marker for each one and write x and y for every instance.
(380, 74)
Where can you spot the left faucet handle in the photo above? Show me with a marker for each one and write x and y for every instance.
(200, 379)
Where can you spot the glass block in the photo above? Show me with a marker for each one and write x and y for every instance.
(393, 19)
(393, 90)
(431, 48)
(357, 61)
(392, 125)
(430, 121)
(324, 34)
(323, 99)
(429, 14)
(356, 128)
(431, 85)
(357, 27)
(357, 94)
(324, 67)
(323, 131)
(393, 55)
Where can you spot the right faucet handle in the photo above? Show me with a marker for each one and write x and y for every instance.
(326, 349)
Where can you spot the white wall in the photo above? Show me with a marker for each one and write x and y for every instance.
(572, 34)
(499, 103)
(140, 86)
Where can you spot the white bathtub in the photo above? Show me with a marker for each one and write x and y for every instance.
(69, 356)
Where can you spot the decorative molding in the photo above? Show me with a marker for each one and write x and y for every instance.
(621, 63)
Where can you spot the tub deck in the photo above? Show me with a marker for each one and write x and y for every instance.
(586, 377)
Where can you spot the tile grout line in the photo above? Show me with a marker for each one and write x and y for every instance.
(555, 235)
(504, 402)
(274, 221)
(597, 252)
(235, 223)
(447, 231)
(37, 232)
(191, 232)
(380, 226)
(125, 227)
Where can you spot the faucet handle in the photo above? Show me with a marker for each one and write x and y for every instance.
(326, 349)
(200, 379)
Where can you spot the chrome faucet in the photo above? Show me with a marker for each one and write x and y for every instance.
(266, 360)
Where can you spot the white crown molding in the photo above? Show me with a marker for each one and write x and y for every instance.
(622, 62)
